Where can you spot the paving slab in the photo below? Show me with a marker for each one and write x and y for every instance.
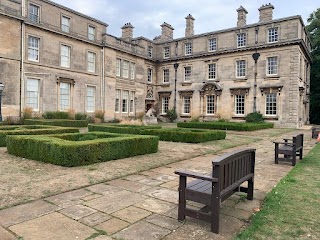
(163, 221)
(104, 189)
(68, 196)
(155, 205)
(102, 237)
(115, 202)
(25, 212)
(150, 182)
(129, 185)
(53, 226)
(78, 211)
(5, 235)
(112, 226)
(132, 214)
(95, 219)
(142, 231)
(164, 194)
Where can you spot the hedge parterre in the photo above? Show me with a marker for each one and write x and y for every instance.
(31, 130)
(237, 126)
(165, 134)
(79, 149)
(57, 122)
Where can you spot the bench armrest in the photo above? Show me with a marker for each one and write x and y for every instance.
(285, 143)
(195, 175)
(287, 139)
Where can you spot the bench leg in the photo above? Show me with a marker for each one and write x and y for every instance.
(250, 189)
(294, 157)
(182, 198)
(300, 153)
(276, 147)
(215, 208)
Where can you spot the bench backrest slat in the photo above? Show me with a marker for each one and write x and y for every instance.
(233, 167)
(298, 141)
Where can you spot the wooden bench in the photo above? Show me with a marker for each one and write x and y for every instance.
(290, 148)
(315, 132)
(229, 172)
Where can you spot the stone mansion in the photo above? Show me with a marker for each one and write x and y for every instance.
(53, 58)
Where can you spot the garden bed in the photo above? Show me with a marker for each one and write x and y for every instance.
(121, 128)
(31, 130)
(57, 122)
(236, 126)
(72, 150)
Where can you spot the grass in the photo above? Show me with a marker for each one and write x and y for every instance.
(291, 210)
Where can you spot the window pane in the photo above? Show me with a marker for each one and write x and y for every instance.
(188, 48)
(210, 104)
(166, 75)
(91, 99)
(125, 69)
(65, 56)
(132, 96)
(212, 44)
(187, 74)
(272, 66)
(165, 105)
(91, 33)
(33, 48)
(65, 24)
(33, 93)
(212, 71)
(91, 62)
(34, 12)
(150, 73)
(241, 40)
(125, 96)
(271, 104)
(273, 35)
(132, 70)
(186, 104)
(166, 52)
(117, 105)
(241, 68)
(64, 96)
(239, 104)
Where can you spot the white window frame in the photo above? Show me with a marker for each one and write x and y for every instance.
(65, 56)
(187, 73)
(32, 93)
(239, 104)
(33, 49)
(65, 96)
(271, 104)
(272, 66)
(273, 35)
(34, 16)
(131, 105)
(241, 68)
(132, 70)
(91, 61)
(164, 104)
(241, 40)
(150, 75)
(210, 104)
(166, 52)
(65, 24)
(91, 100)
(125, 100)
(118, 67)
(212, 71)
(186, 108)
(117, 100)
(166, 75)
(188, 48)
(125, 68)
(212, 44)
(91, 32)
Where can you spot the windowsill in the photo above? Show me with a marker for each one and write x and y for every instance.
(244, 79)
(149, 82)
(272, 77)
(213, 80)
(238, 117)
(186, 83)
(185, 116)
(165, 84)
(271, 117)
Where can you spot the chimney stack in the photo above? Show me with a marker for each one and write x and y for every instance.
(167, 31)
(189, 26)
(127, 31)
(266, 12)
(242, 16)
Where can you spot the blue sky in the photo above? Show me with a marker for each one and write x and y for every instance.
(211, 15)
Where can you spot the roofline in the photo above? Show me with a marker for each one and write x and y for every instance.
(75, 12)
(234, 29)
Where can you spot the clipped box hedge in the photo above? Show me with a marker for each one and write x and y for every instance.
(31, 130)
(186, 135)
(120, 128)
(72, 150)
(165, 134)
(57, 122)
(236, 126)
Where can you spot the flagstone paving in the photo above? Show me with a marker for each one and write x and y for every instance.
(142, 206)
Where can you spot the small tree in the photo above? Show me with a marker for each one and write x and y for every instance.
(254, 117)
(172, 115)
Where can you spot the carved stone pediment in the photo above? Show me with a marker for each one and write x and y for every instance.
(186, 93)
(164, 94)
(211, 89)
(239, 91)
(271, 89)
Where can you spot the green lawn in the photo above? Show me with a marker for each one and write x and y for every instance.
(292, 209)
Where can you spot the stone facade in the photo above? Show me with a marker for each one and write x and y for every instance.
(67, 62)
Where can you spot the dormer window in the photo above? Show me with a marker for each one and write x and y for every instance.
(241, 40)
(273, 35)
(166, 52)
(34, 13)
(188, 48)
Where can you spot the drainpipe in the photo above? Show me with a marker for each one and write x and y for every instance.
(103, 87)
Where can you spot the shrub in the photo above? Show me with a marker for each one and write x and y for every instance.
(31, 130)
(68, 150)
(172, 115)
(120, 128)
(195, 119)
(55, 115)
(99, 114)
(57, 122)
(81, 116)
(10, 120)
(254, 117)
(71, 114)
(27, 113)
(237, 126)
